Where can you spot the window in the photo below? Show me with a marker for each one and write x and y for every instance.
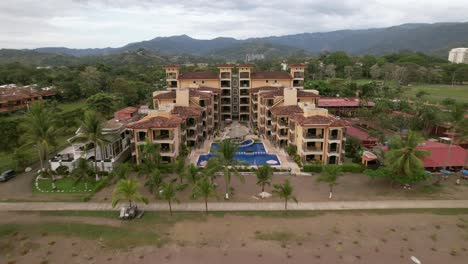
(202, 81)
(276, 81)
(266, 81)
(194, 82)
(174, 101)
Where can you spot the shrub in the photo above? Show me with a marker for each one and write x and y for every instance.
(312, 168)
(352, 167)
(62, 170)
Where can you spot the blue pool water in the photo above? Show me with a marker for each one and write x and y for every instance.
(254, 154)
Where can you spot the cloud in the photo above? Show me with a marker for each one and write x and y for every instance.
(102, 23)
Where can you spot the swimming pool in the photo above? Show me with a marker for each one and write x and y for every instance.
(254, 154)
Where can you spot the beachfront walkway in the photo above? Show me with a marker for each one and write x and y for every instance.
(227, 206)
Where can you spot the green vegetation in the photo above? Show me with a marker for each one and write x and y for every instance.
(285, 191)
(280, 236)
(436, 93)
(330, 175)
(65, 185)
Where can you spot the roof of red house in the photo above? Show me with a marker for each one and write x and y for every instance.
(264, 88)
(156, 122)
(302, 93)
(439, 154)
(167, 95)
(271, 75)
(21, 93)
(193, 92)
(286, 110)
(318, 120)
(296, 65)
(184, 111)
(359, 134)
(198, 75)
(226, 65)
(207, 88)
(128, 110)
(341, 102)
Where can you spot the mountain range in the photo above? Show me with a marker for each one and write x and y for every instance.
(435, 39)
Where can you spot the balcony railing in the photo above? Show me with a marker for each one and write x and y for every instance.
(164, 137)
(312, 149)
(313, 136)
(334, 136)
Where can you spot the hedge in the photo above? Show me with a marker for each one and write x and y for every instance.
(347, 167)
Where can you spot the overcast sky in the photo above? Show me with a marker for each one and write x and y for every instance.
(114, 23)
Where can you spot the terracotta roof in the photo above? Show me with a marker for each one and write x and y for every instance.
(156, 122)
(439, 154)
(286, 110)
(340, 102)
(129, 110)
(21, 93)
(318, 120)
(270, 75)
(226, 66)
(171, 66)
(302, 93)
(263, 88)
(297, 65)
(168, 95)
(272, 94)
(184, 111)
(359, 134)
(198, 75)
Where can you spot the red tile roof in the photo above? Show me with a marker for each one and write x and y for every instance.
(156, 122)
(167, 95)
(359, 134)
(341, 102)
(198, 75)
(226, 66)
(318, 120)
(193, 92)
(271, 75)
(286, 110)
(439, 155)
(296, 65)
(272, 94)
(264, 88)
(211, 89)
(302, 93)
(184, 111)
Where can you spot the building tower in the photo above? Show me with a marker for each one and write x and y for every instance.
(244, 88)
(225, 78)
(172, 76)
(297, 73)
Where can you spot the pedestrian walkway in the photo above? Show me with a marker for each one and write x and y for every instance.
(228, 206)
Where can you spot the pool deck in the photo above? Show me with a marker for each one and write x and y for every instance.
(285, 160)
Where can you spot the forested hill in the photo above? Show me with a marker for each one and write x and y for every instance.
(435, 38)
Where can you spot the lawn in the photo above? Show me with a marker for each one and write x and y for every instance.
(65, 185)
(439, 92)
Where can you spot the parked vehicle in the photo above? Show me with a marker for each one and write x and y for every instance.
(7, 175)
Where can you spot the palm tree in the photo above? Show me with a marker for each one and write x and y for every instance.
(285, 191)
(91, 131)
(264, 176)
(151, 152)
(404, 159)
(204, 188)
(82, 170)
(127, 190)
(154, 181)
(40, 130)
(169, 193)
(457, 117)
(191, 173)
(121, 172)
(226, 156)
(330, 175)
(179, 169)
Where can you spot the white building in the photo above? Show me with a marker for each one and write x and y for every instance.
(458, 55)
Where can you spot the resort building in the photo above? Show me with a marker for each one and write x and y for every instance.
(14, 98)
(181, 118)
(116, 150)
(289, 116)
(233, 83)
(458, 55)
(344, 107)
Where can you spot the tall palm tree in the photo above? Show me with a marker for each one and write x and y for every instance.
(285, 192)
(151, 152)
(121, 172)
(154, 181)
(127, 190)
(204, 188)
(179, 169)
(91, 131)
(330, 175)
(169, 194)
(264, 176)
(40, 131)
(457, 117)
(226, 156)
(404, 159)
(82, 170)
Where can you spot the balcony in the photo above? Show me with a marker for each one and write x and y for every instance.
(244, 75)
(244, 101)
(312, 136)
(244, 109)
(283, 122)
(312, 149)
(334, 135)
(298, 83)
(226, 101)
(244, 92)
(298, 75)
(191, 123)
(225, 84)
(225, 75)
(172, 84)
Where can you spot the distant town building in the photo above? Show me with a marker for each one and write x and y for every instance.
(14, 97)
(458, 55)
